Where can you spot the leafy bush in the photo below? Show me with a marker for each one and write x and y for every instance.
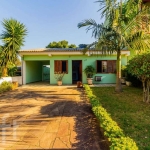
(12, 69)
(111, 130)
(0, 72)
(135, 81)
(139, 66)
(5, 86)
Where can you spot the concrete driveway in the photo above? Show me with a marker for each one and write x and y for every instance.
(39, 116)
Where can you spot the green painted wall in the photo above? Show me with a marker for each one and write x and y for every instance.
(33, 71)
(46, 62)
(86, 60)
(37, 57)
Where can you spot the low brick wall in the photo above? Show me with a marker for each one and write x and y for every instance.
(11, 79)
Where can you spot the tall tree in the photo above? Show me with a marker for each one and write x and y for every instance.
(13, 37)
(60, 44)
(72, 46)
(1, 48)
(123, 29)
(83, 45)
(139, 66)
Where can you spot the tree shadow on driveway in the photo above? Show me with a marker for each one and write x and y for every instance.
(51, 119)
(77, 124)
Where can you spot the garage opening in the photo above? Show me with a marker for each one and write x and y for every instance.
(37, 71)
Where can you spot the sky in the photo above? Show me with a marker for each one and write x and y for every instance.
(51, 20)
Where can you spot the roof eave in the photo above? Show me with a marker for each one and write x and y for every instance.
(52, 53)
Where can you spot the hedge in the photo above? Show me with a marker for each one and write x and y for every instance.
(112, 131)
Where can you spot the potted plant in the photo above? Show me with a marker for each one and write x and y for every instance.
(89, 71)
(58, 76)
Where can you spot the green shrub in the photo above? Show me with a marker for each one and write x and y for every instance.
(0, 72)
(135, 81)
(12, 71)
(123, 143)
(111, 130)
(5, 86)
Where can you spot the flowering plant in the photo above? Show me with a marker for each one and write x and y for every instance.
(59, 75)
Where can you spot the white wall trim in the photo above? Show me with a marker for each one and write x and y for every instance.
(24, 71)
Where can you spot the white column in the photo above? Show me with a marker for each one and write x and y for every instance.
(24, 71)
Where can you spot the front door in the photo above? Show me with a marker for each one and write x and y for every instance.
(76, 71)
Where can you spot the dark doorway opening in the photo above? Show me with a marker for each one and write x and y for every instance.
(76, 71)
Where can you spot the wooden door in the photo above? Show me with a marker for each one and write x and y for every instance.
(80, 70)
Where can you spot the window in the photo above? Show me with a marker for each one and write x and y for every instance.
(106, 66)
(61, 66)
(64, 66)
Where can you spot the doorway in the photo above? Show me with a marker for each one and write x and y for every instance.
(46, 73)
(76, 71)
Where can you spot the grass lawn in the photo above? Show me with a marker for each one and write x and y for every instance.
(129, 111)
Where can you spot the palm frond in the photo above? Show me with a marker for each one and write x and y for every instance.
(107, 7)
(137, 22)
(92, 25)
(139, 41)
(13, 37)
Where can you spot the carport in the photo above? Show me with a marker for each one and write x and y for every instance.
(35, 71)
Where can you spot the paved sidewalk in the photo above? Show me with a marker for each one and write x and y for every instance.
(48, 117)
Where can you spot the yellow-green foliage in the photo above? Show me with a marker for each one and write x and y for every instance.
(5, 86)
(111, 130)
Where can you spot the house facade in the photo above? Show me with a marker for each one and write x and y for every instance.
(41, 65)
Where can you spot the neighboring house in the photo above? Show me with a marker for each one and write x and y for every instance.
(72, 61)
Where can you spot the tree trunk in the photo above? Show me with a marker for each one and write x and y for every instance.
(118, 87)
(146, 84)
(4, 72)
(147, 94)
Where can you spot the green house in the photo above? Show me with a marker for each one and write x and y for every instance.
(41, 65)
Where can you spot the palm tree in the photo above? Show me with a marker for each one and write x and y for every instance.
(13, 38)
(123, 29)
